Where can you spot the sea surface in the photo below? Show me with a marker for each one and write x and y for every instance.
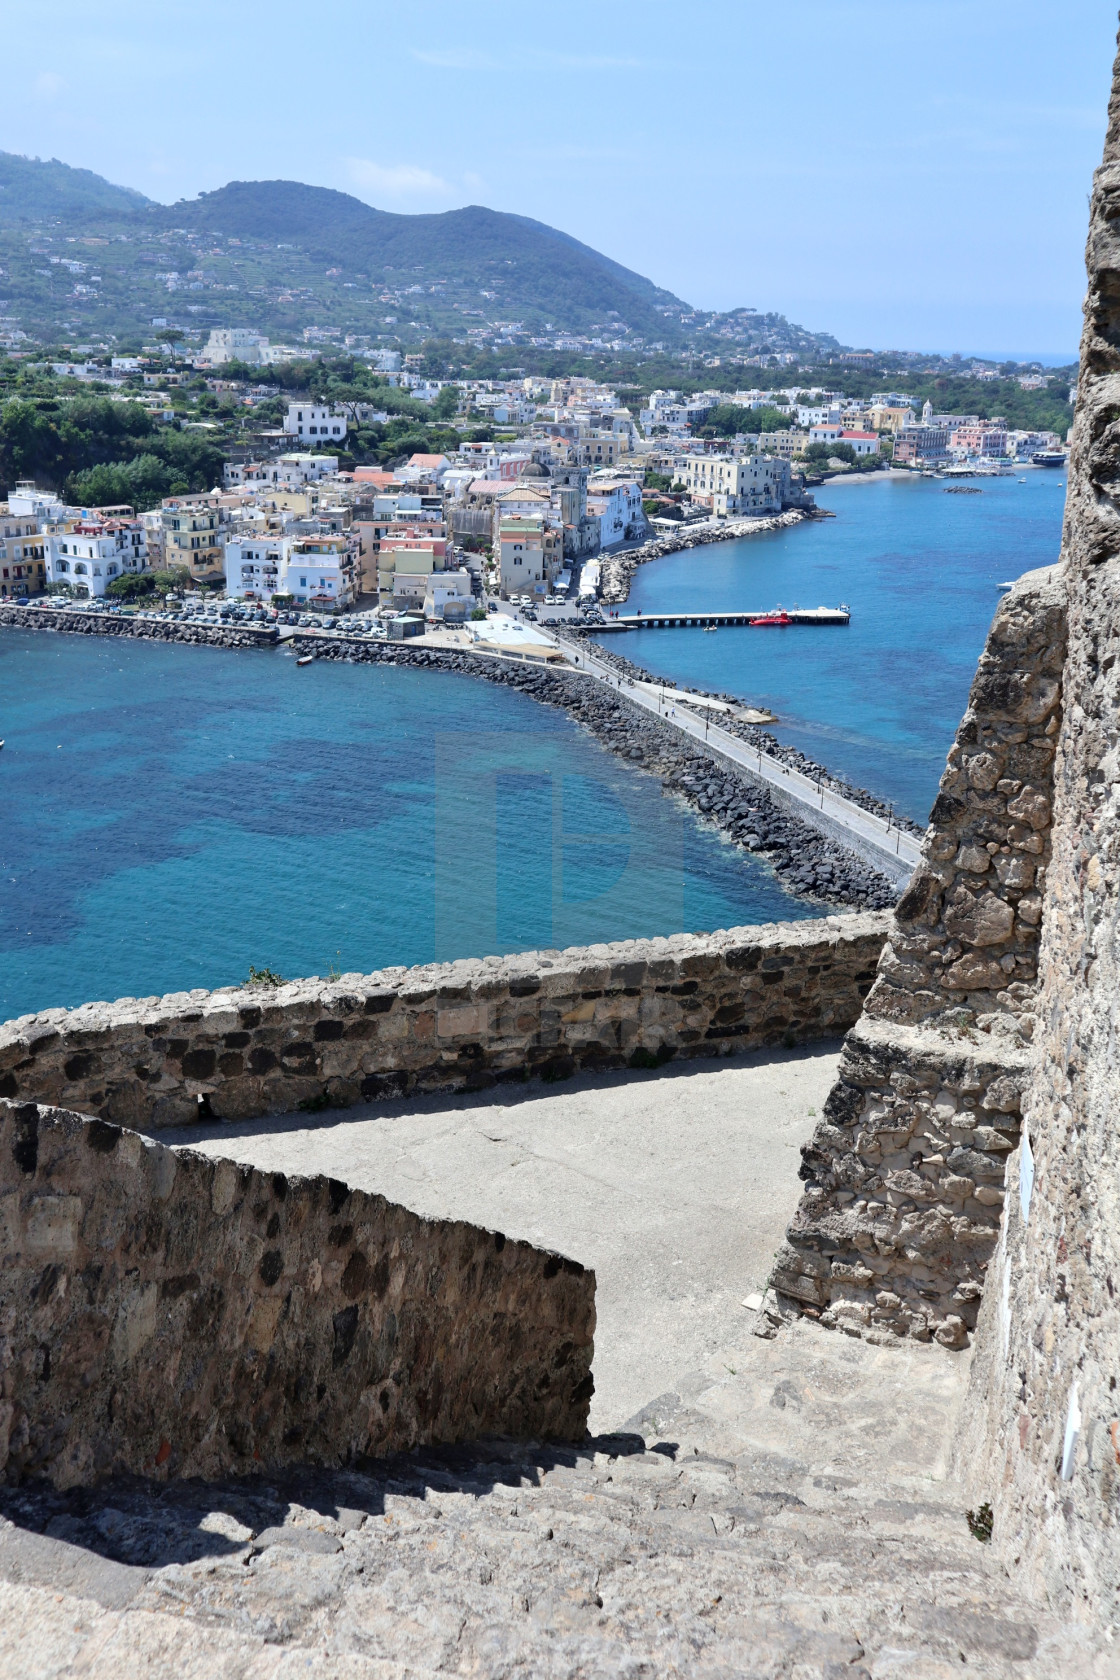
(879, 700)
(171, 816)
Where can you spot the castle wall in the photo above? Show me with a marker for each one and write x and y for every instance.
(905, 1173)
(1042, 1436)
(247, 1051)
(171, 1315)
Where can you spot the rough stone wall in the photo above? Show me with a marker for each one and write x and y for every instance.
(172, 1315)
(904, 1176)
(1043, 1437)
(457, 1026)
(77, 623)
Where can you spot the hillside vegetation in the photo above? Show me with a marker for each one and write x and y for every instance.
(80, 257)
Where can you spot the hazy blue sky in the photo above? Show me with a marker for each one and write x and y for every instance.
(901, 172)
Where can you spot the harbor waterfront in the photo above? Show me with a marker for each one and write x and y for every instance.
(921, 572)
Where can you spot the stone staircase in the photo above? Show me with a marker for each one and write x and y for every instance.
(783, 1513)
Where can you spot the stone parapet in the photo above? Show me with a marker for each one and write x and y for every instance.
(904, 1176)
(966, 938)
(171, 1315)
(905, 1173)
(246, 1051)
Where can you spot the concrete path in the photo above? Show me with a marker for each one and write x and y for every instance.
(896, 852)
(675, 1186)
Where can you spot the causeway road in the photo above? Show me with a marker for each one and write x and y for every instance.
(892, 849)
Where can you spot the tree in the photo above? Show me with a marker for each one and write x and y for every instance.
(132, 586)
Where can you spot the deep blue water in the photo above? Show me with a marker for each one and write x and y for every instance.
(171, 815)
(920, 569)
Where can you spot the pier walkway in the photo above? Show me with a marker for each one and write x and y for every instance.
(878, 841)
(682, 620)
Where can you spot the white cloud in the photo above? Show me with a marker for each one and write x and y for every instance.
(49, 85)
(400, 180)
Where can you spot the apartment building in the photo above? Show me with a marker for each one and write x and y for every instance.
(23, 565)
(731, 484)
(921, 443)
(530, 554)
(256, 566)
(90, 553)
(193, 538)
(979, 440)
(320, 572)
(407, 558)
(617, 505)
(785, 445)
(314, 420)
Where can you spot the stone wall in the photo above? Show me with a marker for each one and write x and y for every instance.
(171, 1315)
(76, 623)
(1042, 1442)
(904, 1176)
(456, 1026)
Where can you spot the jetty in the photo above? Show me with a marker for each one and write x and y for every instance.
(686, 620)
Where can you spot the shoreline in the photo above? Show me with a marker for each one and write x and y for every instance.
(812, 867)
(617, 571)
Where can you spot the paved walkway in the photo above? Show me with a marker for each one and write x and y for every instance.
(874, 831)
(675, 1186)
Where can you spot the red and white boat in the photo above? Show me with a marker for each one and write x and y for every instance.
(768, 619)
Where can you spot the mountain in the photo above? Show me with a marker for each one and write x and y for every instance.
(552, 274)
(82, 258)
(34, 191)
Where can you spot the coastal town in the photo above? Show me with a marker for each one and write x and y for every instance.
(566, 477)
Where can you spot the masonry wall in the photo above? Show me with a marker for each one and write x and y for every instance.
(1042, 1436)
(73, 622)
(172, 1315)
(457, 1026)
(905, 1174)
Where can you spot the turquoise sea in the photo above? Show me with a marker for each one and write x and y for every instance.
(171, 815)
(920, 568)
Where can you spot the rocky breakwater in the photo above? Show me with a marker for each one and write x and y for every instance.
(617, 570)
(735, 723)
(314, 1044)
(172, 1315)
(806, 861)
(905, 1173)
(70, 622)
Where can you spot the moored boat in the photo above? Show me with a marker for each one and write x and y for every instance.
(768, 619)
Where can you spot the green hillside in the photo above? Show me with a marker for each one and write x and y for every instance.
(34, 191)
(530, 266)
(83, 259)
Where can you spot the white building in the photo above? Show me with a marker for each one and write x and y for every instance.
(312, 420)
(235, 344)
(94, 552)
(448, 590)
(755, 484)
(286, 472)
(860, 442)
(617, 504)
(319, 572)
(256, 566)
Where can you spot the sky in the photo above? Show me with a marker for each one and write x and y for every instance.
(907, 174)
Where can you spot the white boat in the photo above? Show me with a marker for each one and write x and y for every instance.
(306, 659)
